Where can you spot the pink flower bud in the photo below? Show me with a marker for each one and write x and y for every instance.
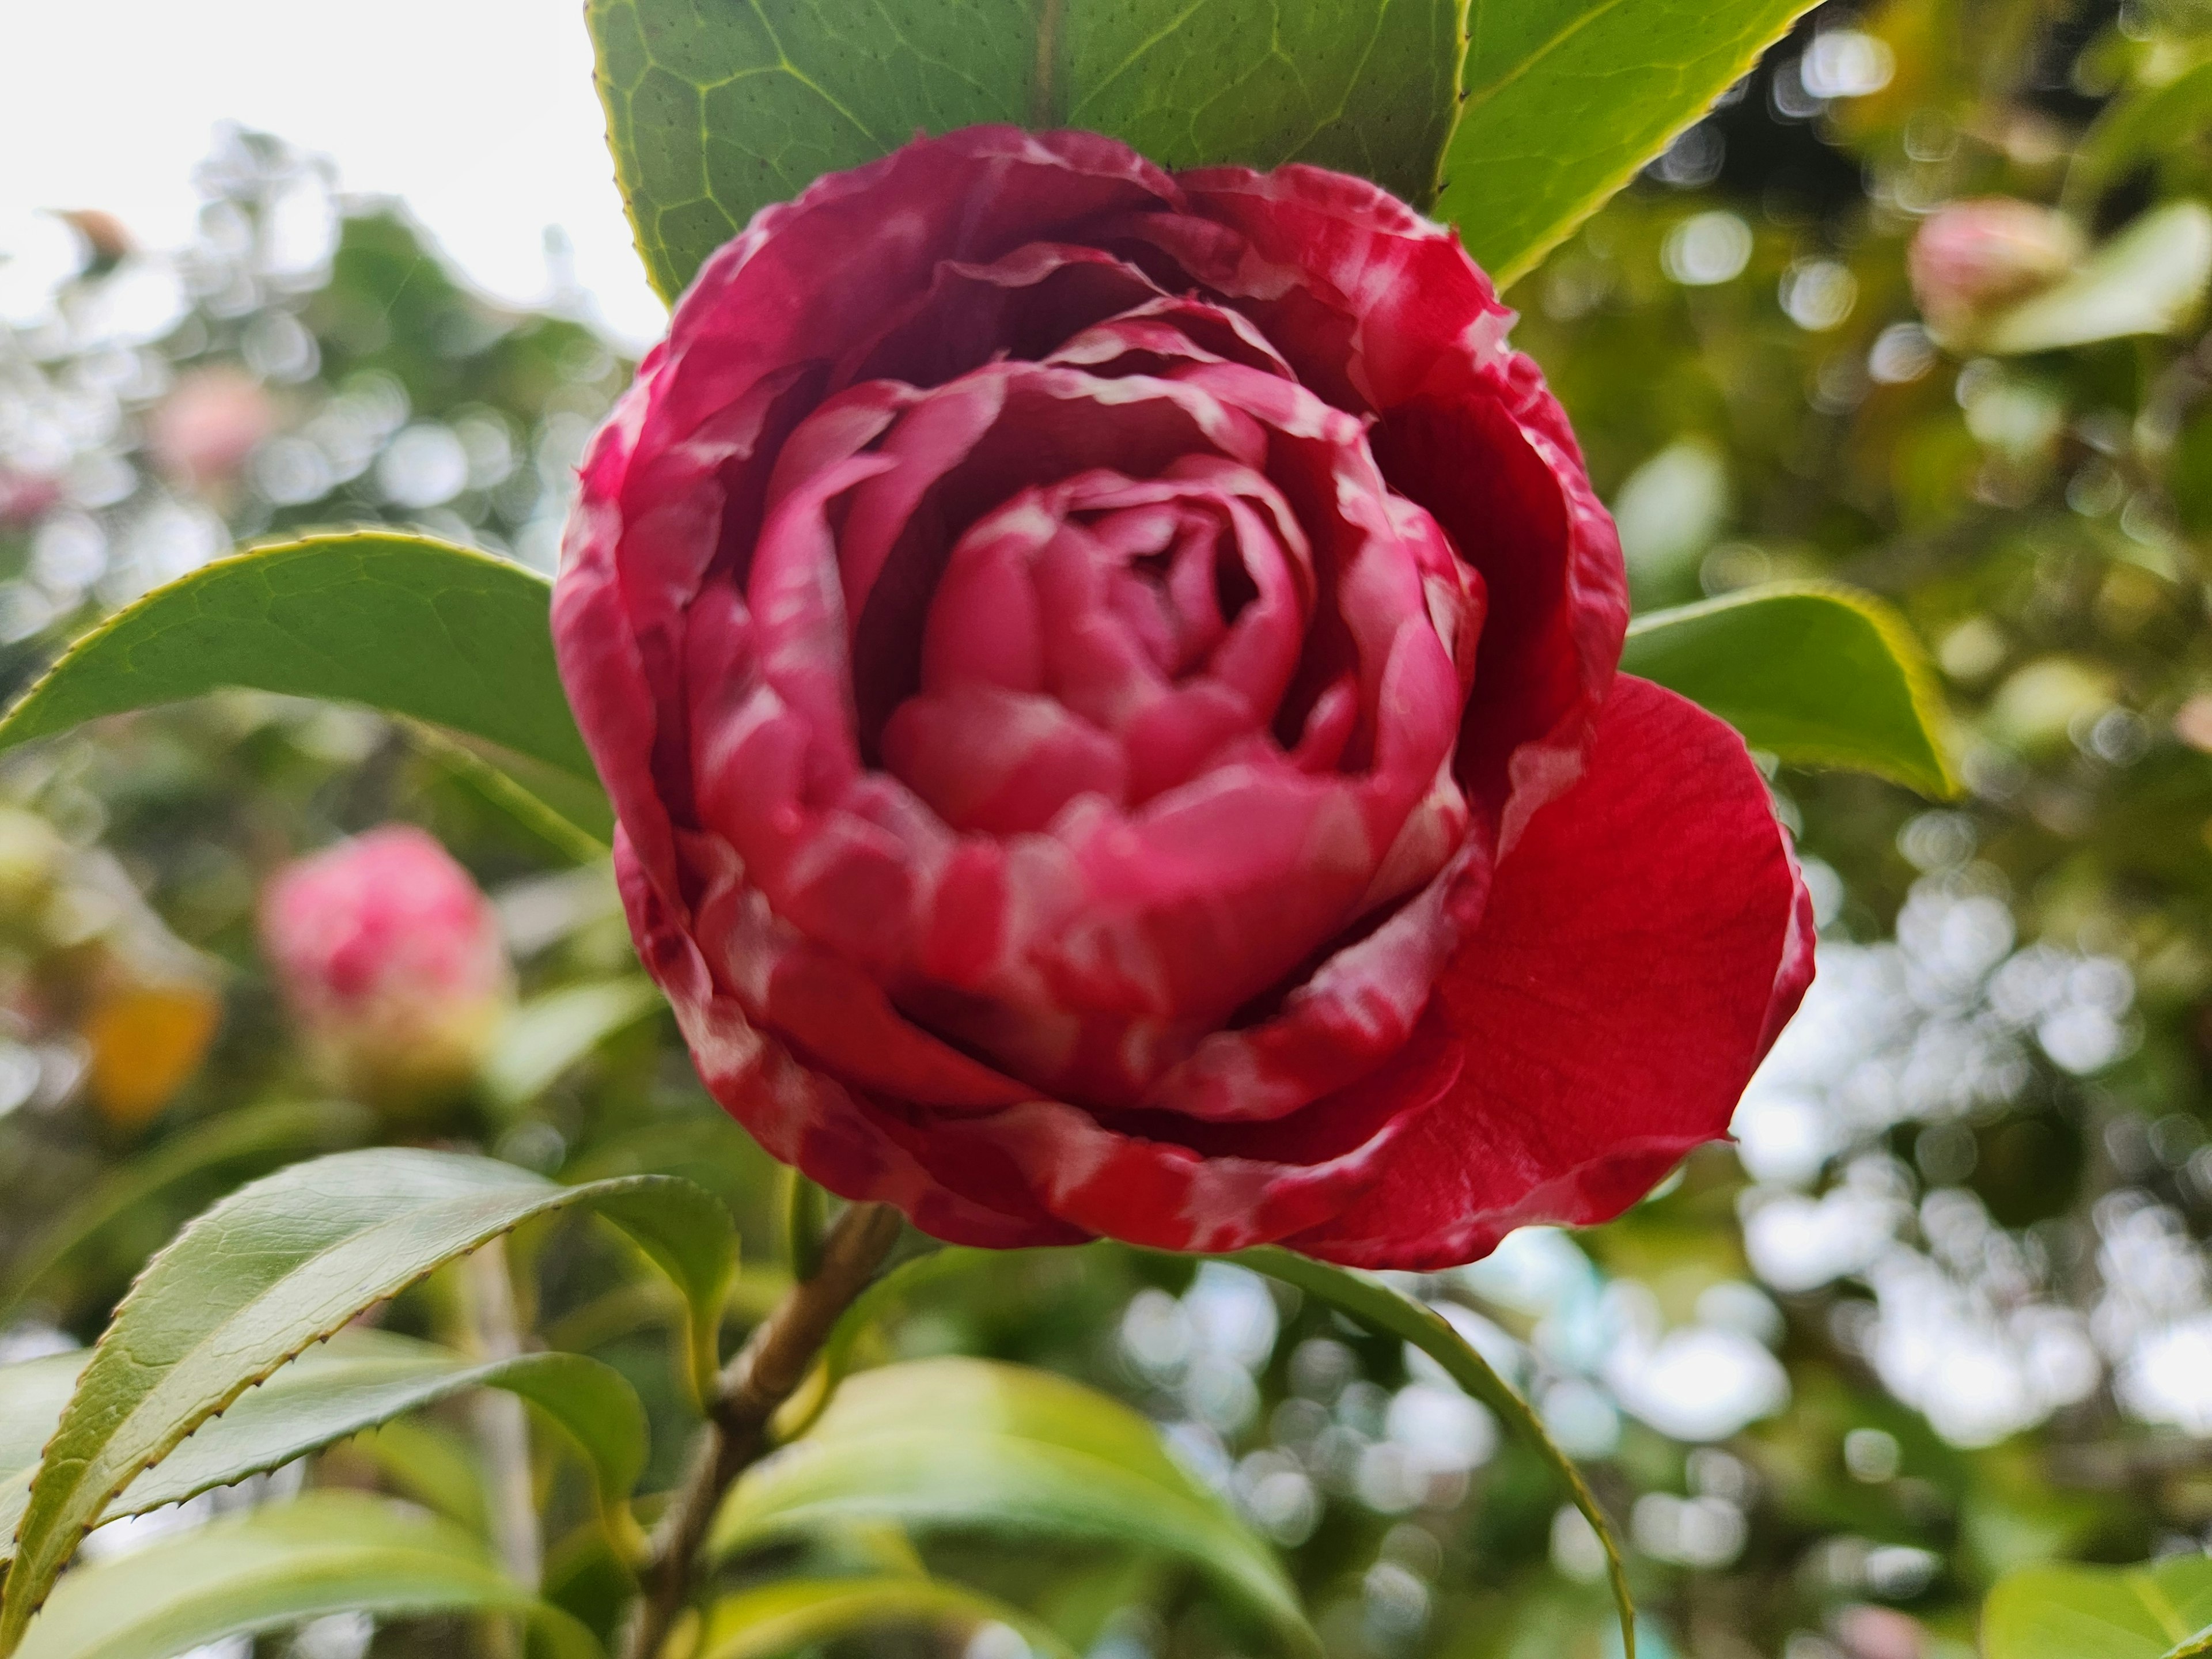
(389, 958)
(203, 431)
(1974, 257)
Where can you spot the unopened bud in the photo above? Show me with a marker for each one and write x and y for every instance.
(391, 959)
(1973, 258)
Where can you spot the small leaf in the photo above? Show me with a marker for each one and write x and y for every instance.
(282, 1565)
(358, 1379)
(1821, 675)
(401, 622)
(2154, 1612)
(1564, 100)
(281, 1265)
(2149, 279)
(261, 1135)
(713, 112)
(977, 1444)
(550, 1033)
(1376, 1306)
(797, 1614)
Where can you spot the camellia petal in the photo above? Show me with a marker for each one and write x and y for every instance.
(1641, 947)
(1107, 684)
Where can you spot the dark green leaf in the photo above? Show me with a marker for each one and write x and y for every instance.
(360, 1379)
(275, 1567)
(2155, 1611)
(1566, 99)
(784, 1617)
(977, 1444)
(1820, 675)
(402, 623)
(1381, 1308)
(262, 1135)
(283, 1264)
(714, 112)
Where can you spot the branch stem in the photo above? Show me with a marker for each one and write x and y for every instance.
(767, 1371)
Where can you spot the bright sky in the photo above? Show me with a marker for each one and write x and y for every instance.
(480, 113)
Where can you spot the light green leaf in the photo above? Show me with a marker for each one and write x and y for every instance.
(1821, 675)
(1376, 1306)
(550, 1033)
(836, 1362)
(285, 1262)
(358, 1379)
(2160, 1611)
(276, 1567)
(401, 622)
(798, 1613)
(2149, 279)
(253, 1135)
(713, 113)
(976, 1444)
(1566, 99)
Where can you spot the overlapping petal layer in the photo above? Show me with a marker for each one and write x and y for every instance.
(1103, 677)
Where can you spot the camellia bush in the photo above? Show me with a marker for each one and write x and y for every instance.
(1110, 700)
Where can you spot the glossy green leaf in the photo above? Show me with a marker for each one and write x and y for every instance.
(232, 1143)
(284, 1263)
(974, 1445)
(1564, 100)
(550, 1033)
(1376, 1306)
(2160, 1611)
(1820, 675)
(2149, 279)
(401, 622)
(356, 1381)
(714, 112)
(279, 1566)
(795, 1613)
(570, 815)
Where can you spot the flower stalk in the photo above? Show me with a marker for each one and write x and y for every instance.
(766, 1372)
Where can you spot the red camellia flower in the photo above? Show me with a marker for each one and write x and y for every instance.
(1107, 681)
(391, 959)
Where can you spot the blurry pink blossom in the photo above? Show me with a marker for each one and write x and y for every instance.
(389, 958)
(203, 432)
(26, 497)
(1974, 257)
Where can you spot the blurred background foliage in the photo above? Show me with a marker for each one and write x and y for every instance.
(1944, 1309)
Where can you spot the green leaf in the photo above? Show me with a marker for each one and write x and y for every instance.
(402, 623)
(798, 1613)
(2134, 128)
(279, 1566)
(836, 1362)
(254, 1135)
(1564, 100)
(714, 112)
(550, 1033)
(977, 1444)
(1376, 1306)
(358, 1379)
(1821, 675)
(2149, 279)
(2160, 1611)
(285, 1262)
